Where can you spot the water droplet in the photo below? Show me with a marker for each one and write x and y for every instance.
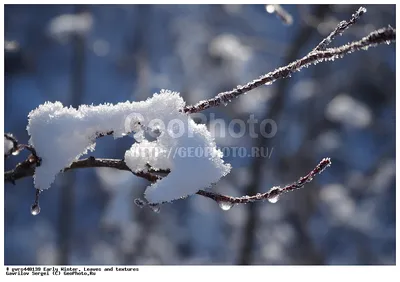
(155, 208)
(16, 152)
(226, 206)
(273, 200)
(35, 209)
(268, 83)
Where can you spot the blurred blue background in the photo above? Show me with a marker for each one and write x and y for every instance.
(344, 110)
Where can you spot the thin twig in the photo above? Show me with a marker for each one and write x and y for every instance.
(382, 36)
(341, 27)
(274, 192)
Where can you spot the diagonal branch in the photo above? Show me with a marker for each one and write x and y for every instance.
(385, 35)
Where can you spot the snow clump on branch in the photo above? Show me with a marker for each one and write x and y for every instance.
(61, 135)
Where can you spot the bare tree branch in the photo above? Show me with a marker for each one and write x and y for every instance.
(342, 26)
(273, 193)
(385, 35)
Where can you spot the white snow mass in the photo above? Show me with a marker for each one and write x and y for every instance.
(8, 145)
(61, 135)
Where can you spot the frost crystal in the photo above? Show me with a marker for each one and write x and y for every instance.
(61, 135)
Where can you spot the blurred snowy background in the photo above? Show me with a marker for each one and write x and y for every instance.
(343, 109)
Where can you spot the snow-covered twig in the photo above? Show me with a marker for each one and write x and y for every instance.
(385, 35)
